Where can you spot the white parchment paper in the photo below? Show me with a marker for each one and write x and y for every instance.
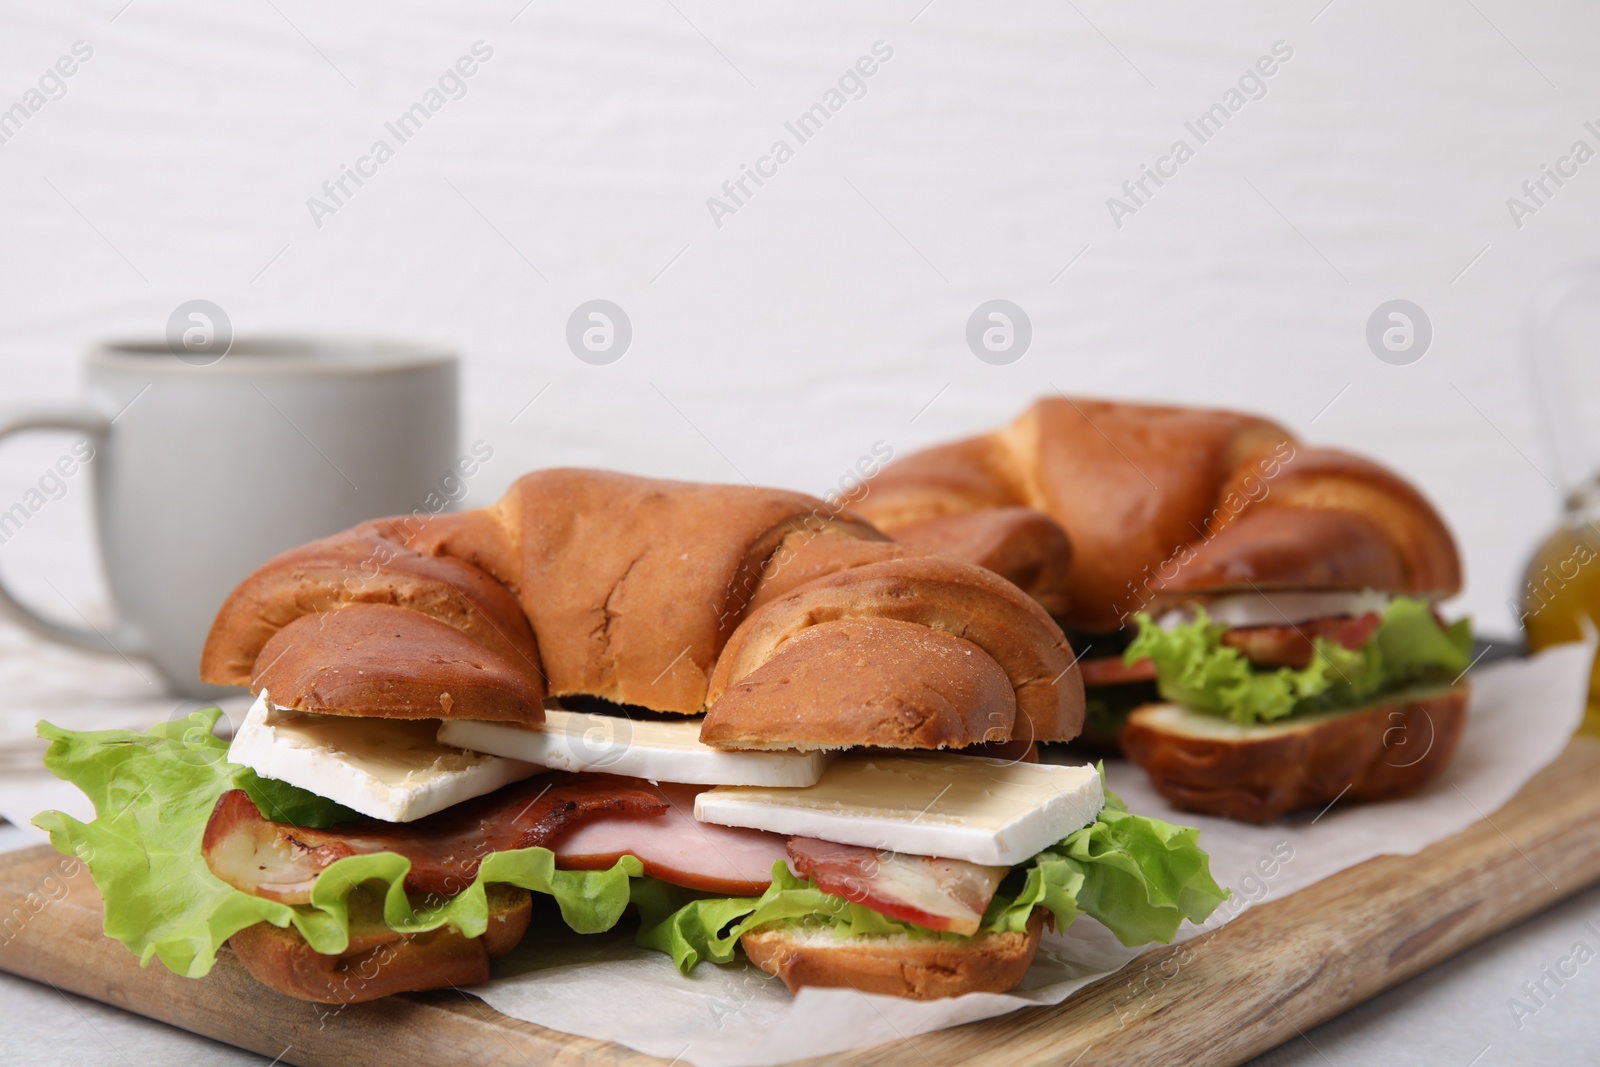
(1522, 714)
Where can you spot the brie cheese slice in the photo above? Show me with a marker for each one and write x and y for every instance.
(972, 808)
(390, 769)
(643, 748)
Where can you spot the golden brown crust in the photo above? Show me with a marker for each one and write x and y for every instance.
(1384, 750)
(806, 555)
(1024, 546)
(634, 588)
(975, 474)
(896, 966)
(368, 564)
(1142, 489)
(946, 594)
(634, 584)
(387, 661)
(1277, 548)
(844, 683)
(1328, 483)
(379, 961)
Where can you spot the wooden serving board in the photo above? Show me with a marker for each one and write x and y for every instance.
(1279, 969)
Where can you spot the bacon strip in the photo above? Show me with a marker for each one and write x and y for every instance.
(940, 894)
(1110, 670)
(1292, 646)
(675, 847)
(282, 862)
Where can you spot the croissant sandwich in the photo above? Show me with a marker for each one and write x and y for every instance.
(1256, 615)
(747, 717)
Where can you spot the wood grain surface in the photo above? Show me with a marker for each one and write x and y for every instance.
(1264, 978)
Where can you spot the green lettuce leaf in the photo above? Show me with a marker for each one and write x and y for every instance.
(690, 928)
(1196, 669)
(153, 794)
(1412, 643)
(1139, 877)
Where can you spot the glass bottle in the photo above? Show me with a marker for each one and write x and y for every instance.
(1561, 589)
(1559, 600)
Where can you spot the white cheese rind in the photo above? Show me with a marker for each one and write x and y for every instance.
(390, 769)
(970, 808)
(658, 751)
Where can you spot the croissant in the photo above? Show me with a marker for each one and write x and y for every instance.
(789, 623)
(1163, 507)
(1159, 500)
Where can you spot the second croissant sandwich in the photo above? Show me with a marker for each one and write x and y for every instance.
(1257, 614)
(752, 719)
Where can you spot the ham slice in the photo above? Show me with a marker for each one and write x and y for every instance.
(675, 847)
(940, 894)
(282, 862)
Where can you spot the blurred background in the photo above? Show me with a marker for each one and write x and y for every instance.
(780, 331)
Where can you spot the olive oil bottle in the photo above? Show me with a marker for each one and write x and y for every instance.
(1561, 590)
(1560, 593)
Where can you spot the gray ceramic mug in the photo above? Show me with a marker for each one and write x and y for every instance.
(202, 469)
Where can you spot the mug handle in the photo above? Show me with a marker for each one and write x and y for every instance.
(96, 425)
